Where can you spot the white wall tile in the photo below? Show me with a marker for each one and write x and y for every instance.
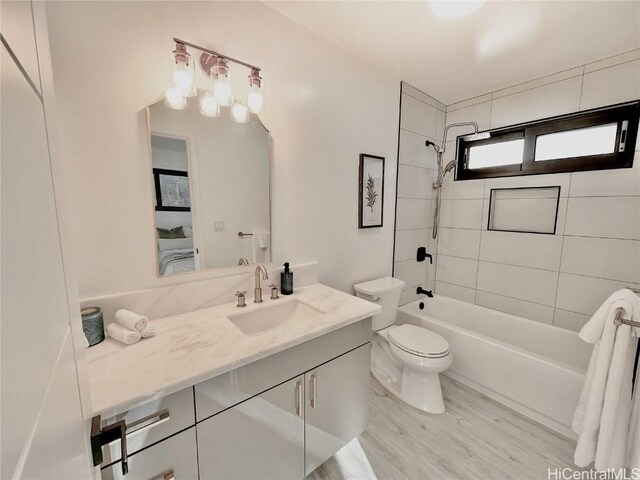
(610, 217)
(569, 320)
(584, 294)
(459, 271)
(521, 308)
(539, 82)
(562, 180)
(408, 295)
(415, 182)
(413, 213)
(479, 113)
(418, 117)
(608, 183)
(529, 284)
(602, 257)
(522, 249)
(456, 291)
(413, 150)
(422, 96)
(469, 102)
(461, 213)
(408, 241)
(613, 60)
(411, 272)
(441, 119)
(468, 189)
(459, 242)
(547, 101)
(611, 85)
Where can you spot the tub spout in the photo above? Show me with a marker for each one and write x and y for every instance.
(421, 290)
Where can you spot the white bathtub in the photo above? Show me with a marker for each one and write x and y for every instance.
(534, 368)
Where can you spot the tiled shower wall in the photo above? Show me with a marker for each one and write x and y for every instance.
(422, 118)
(558, 279)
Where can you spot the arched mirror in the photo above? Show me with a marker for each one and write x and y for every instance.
(211, 189)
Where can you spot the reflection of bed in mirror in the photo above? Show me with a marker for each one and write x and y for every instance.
(175, 255)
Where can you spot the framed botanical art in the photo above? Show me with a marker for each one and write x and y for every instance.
(371, 191)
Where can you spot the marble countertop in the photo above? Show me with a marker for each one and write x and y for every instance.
(192, 347)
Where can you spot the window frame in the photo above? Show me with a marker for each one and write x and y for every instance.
(156, 181)
(629, 111)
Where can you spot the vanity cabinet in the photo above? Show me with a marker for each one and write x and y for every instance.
(173, 458)
(260, 438)
(337, 395)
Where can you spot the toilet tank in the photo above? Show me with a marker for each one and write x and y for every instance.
(386, 293)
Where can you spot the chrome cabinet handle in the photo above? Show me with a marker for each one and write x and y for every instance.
(314, 391)
(299, 399)
(148, 422)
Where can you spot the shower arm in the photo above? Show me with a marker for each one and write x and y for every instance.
(455, 125)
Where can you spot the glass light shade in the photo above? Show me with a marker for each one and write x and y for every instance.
(240, 113)
(182, 72)
(208, 104)
(255, 99)
(222, 91)
(174, 98)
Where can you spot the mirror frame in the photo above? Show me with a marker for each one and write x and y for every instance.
(193, 178)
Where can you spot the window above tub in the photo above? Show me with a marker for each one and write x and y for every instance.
(598, 139)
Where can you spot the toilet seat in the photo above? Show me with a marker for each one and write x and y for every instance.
(419, 341)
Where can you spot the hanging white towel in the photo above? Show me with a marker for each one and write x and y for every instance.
(603, 414)
(260, 247)
(131, 320)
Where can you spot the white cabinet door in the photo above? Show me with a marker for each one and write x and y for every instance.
(337, 395)
(260, 438)
(173, 458)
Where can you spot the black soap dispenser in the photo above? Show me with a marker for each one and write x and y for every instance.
(286, 280)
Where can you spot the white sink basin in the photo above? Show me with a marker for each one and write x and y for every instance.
(265, 318)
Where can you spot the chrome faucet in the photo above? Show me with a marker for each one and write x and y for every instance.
(258, 290)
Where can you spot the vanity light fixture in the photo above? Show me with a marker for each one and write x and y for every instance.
(182, 70)
(215, 66)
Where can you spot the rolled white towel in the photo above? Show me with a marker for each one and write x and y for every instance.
(123, 334)
(149, 331)
(131, 320)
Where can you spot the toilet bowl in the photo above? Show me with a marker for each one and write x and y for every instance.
(406, 359)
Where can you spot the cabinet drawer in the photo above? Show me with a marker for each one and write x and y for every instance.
(174, 458)
(231, 388)
(152, 422)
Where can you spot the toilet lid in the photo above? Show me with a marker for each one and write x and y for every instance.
(419, 341)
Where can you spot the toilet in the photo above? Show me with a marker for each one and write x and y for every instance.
(405, 359)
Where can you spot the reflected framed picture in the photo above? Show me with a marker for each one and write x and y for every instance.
(371, 191)
(172, 190)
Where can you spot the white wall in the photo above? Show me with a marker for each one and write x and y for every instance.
(558, 279)
(43, 434)
(322, 107)
(422, 119)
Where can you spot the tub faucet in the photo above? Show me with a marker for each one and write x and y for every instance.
(421, 290)
(258, 290)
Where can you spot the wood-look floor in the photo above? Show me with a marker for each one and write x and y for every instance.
(476, 438)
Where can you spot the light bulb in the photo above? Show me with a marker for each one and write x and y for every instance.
(208, 104)
(240, 113)
(223, 93)
(174, 98)
(182, 70)
(255, 98)
(222, 82)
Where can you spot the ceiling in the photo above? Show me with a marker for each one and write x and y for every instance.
(452, 59)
